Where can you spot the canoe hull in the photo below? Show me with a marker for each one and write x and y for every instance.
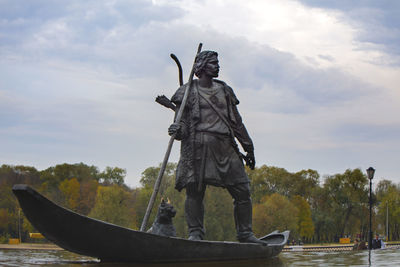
(109, 242)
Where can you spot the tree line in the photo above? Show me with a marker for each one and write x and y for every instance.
(315, 210)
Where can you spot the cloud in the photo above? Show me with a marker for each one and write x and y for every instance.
(78, 82)
(326, 57)
(376, 22)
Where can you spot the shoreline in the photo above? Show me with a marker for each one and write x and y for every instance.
(31, 246)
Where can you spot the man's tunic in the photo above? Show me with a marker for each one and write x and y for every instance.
(208, 151)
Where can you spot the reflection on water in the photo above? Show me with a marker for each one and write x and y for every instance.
(388, 257)
(41, 257)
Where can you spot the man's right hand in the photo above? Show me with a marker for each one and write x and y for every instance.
(174, 129)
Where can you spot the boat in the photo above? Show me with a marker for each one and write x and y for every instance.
(112, 243)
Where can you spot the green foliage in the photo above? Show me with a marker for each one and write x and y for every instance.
(348, 196)
(112, 176)
(323, 218)
(269, 180)
(149, 177)
(218, 218)
(281, 201)
(10, 175)
(274, 212)
(71, 185)
(70, 190)
(87, 196)
(7, 199)
(307, 181)
(4, 239)
(112, 206)
(388, 196)
(4, 220)
(305, 225)
(52, 177)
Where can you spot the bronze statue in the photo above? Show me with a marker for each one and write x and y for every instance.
(209, 154)
(163, 225)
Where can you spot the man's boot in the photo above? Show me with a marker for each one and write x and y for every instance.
(243, 219)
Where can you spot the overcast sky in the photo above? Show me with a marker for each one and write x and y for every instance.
(318, 81)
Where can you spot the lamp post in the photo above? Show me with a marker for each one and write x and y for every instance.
(19, 225)
(387, 221)
(370, 174)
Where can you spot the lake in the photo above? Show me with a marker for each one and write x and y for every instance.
(387, 257)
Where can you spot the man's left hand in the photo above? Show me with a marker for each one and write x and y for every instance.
(251, 160)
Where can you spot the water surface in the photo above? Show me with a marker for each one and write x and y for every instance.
(388, 257)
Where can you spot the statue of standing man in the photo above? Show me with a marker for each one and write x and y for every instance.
(209, 153)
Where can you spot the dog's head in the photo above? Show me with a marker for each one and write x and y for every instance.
(166, 211)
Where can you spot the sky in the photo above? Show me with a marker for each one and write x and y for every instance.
(318, 81)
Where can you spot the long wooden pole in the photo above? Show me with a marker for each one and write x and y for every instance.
(168, 152)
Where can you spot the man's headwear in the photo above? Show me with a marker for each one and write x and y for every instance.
(202, 59)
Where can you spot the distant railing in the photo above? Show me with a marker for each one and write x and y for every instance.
(330, 248)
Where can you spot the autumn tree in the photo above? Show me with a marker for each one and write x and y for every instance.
(87, 196)
(267, 180)
(71, 185)
(113, 206)
(52, 177)
(348, 197)
(281, 200)
(307, 182)
(305, 225)
(70, 190)
(323, 216)
(4, 222)
(218, 216)
(388, 196)
(112, 175)
(274, 212)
